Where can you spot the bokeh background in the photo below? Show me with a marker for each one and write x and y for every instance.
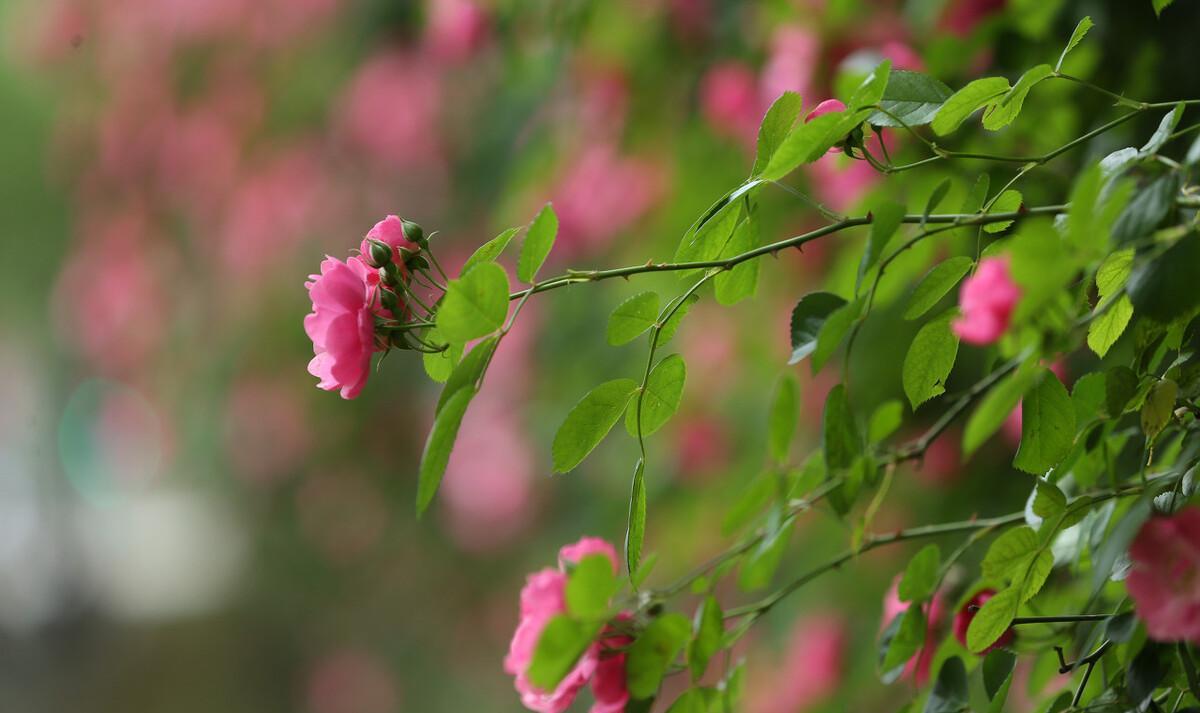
(187, 524)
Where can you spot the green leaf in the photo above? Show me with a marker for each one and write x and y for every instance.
(911, 97)
(808, 317)
(994, 409)
(1146, 672)
(929, 361)
(538, 241)
(1048, 502)
(1114, 272)
(559, 647)
(781, 426)
(1120, 385)
(1087, 396)
(997, 669)
(660, 400)
(805, 143)
(1158, 408)
(966, 101)
(935, 198)
(490, 250)
(736, 284)
(753, 499)
(439, 365)
(653, 651)
(672, 324)
(1047, 425)
(475, 304)
(759, 566)
(643, 570)
(1148, 208)
(1160, 5)
(1164, 288)
(886, 219)
(1003, 112)
(992, 619)
(921, 576)
(438, 446)
(468, 371)
(589, 422)
(1008, 202)
(949, 694)
(775, 126)
(833, 331)
(709, 628)
(885, 421)
(905, 641)
(869, 93)
(1008, 552)
(1105, 330)
(840, 439)
(935, 284)
(1165, 127)
(590, 587)
(632, 317)
(1077, 36)
(636, 534)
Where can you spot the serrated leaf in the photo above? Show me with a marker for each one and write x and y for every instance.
(590, 586)
(1048, 501)
(1077, 36)
(475, 304)
(489, 251)
(1105, 330)
(967, 101)
(653, 651)
(936, 284)
(921, 576)
(781, 425)
(1158, 408)
(632, 317)
(992, 619)
(589, 422)
(709, 628)
(1008, 552)
(660, 401)
(438, 446)
(1003, 112)
(775, 126)
(1047, 425)
(994, 409)
(833, 331)
(912, 97)
(929, 360)
(1008, 202)
(539, 239)
(808, 317)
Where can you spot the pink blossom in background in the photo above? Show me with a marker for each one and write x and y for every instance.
(811, 669)
(792, 62)
(1164, 580)
(962, 16)
(111, 301)
(341, 326)
(918, 666)
(902, 55)
(456, 29)
(390, 111)
(543, 597)
(351, 680)
(691, 20)
(987, 300)
(701, 446)
(941, 465)
(729, 99)
(198, 160)
(600, 195)
(267, 430)
(840, 182)
(709, 344)
(603, 98)
(964, 616)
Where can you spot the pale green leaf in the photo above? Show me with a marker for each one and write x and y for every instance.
(539, 239)
(660, 400)
(475, 304)
(589, 422)
(632, 317)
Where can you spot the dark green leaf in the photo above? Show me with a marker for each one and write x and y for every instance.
(781, 426)
(1160, 5)
(660, 400)
(935, 284)
(538, 241)
(935, 198)
(1047, 425)
(1163, 132)
(438, 446)
(632, 317)
(475, 304)
(468, 371)
(840, 438)
(949, 694)
(775, 126)
(997, 668)
(589, 422)
(912, 98)
(966, 101)
(1164, 288)
(1120, 385)
(672, 324)
(1120, 628)
(808, 317)
(929, 361)
(1146, 211)
(653, 651)
(902, 641)
(1147, 671)
(921, 576)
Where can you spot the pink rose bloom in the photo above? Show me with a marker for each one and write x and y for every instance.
(1164, 580)
(730, 103)
(390, 230)
(964, 616)
(543, 597)
(341, 326)
(987, 300)
(792, 63)
(608, 682)
(829, 106)
(918, 666)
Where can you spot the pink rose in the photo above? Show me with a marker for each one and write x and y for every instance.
(963, 617)
(341, 325)
(792, 63)
(1164, 580)
(918, 666)
(826, 107)
(544, 596)
(390, 230)
(987, 300)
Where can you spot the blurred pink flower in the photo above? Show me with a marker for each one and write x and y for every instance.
(902, 55)
(351, 681)
(267, 430)
(456, 29)
(962, 16)
(390, 111)
(541, 599)
(918, 666)
(701, 446)
(730, 101)
(987, 300)
(840, 181)
(942, 463)
(791, 64)
(602, 194)
(1164, 580)
(341, 326)
(964, 616)
(811, 669)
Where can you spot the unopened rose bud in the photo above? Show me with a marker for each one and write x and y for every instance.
(388, 298)
(380, 253)
(414, 233)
